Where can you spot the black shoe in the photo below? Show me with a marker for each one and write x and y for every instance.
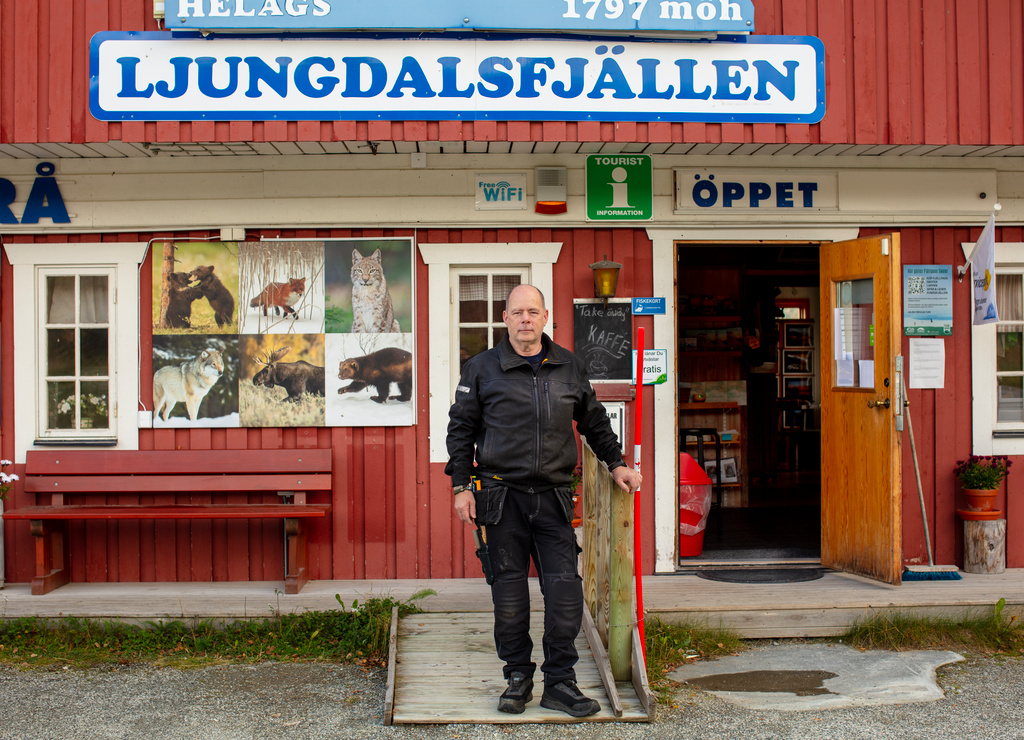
(518, 694)
(566, 697)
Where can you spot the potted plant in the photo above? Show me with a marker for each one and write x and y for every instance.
(980, 476)
(6, 481)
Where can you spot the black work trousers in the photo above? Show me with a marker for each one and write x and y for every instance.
(537, 526)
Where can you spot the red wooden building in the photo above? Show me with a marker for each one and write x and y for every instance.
(922, 132)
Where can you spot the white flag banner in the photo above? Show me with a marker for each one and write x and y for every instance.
(983, 271)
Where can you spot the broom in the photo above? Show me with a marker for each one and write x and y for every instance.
(932, 572)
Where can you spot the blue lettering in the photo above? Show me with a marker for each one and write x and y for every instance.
(784, 194)
(502, 81)
(726, 79)
(45, 200)
(353, 76)
(8, 194)
(206, 86)
(449, 81)
(530, 76)
(766, 73)
(731, 192)
(649, 76)
(304, 84)
(181, 65)
(686, 91)
(611, 77)
(129, 86)
(808, 188)
(276, 79)
(576, 67)
(759, 191)
(411, 76)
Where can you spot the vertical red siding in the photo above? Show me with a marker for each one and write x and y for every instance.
(925, 71)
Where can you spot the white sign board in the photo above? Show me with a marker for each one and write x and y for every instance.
(155, 76)
(500, 192)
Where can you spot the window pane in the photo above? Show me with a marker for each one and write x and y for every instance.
(60, 352)
(94, 352)
(1010, 399)
(1009, 298)
(503, 285)
(471, 342)
(95, 399)
(499, 334)
(854, 318)
(472, 299)
(93, 299)
(1008, 348)
(61, 406)
(60, 299)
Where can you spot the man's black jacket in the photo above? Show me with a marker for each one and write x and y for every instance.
(521, 423)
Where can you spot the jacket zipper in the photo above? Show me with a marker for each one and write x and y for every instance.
(536, 437)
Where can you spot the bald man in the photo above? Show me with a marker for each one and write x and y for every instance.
(511, 457)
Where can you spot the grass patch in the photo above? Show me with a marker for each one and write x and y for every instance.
(984, 632)
(672, 644)
(358, 633)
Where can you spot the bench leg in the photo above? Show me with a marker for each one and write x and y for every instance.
(51, 570)
(297, 575)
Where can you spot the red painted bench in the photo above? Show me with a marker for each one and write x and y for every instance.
(67, 474)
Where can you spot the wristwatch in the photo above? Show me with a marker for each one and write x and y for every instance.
(456, 490)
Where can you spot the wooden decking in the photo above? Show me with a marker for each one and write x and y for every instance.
(816, 608)
(446, 671)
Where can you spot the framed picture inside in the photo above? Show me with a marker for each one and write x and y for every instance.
(798, 362)
(797, 334)
(730, 471)
(797, 388)
(711, 467)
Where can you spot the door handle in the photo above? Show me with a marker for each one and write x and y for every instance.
(883, 404)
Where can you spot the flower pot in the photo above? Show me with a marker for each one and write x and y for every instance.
(980, 499)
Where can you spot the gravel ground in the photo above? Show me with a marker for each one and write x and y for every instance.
(984, 699)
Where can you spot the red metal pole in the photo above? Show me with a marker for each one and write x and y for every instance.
(636, 494)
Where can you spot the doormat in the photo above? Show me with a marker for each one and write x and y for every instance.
(762, 575)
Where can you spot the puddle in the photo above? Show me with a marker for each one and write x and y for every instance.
(801, 683)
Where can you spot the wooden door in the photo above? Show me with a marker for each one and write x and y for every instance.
(861, 407)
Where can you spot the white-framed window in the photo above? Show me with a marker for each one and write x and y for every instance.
(76, 338)
(477, 314)
(997, 361)
(76, 322)
(447, 263)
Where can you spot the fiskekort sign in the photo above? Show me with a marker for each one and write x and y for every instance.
(685, 16)
(158, 76)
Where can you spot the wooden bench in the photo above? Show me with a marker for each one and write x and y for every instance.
(68, 474)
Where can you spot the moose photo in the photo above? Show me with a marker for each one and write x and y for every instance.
(282, 380)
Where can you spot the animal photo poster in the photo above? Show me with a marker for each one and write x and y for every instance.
(284, 333)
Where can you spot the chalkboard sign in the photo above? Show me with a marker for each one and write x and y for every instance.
(603, 338)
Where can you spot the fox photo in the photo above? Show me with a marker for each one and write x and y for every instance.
(195, 288)
(195, 381)
(281, 284)
(281, 381)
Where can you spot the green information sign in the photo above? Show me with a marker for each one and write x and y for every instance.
(619, 187)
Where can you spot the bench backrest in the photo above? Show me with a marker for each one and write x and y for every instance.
(178, 471)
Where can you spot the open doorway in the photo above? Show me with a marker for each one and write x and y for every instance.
(749, 396)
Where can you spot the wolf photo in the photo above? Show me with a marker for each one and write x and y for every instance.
(368, 285)
(195, 381)
(195, 288)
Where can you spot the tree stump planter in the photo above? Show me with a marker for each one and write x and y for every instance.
(985, 546)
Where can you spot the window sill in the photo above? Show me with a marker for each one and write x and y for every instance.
(76, 442)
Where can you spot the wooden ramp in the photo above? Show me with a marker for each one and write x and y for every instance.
(443, 669)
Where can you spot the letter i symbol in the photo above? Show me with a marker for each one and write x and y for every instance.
(620, 196)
